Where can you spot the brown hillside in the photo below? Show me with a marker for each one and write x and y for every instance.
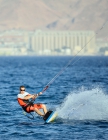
(53, 14)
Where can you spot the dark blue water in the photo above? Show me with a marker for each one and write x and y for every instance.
(79, 96)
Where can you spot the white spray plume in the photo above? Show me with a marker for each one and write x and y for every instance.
(85, 105)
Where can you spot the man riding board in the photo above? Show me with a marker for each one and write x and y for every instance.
(23, 100)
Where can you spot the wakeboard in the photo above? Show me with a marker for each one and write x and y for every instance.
(50, 116)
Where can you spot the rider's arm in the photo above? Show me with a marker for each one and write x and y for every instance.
(36, 95)
(29, 96)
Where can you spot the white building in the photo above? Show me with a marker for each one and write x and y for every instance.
(63, 42)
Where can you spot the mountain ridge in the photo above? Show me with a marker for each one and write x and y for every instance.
(53, 14)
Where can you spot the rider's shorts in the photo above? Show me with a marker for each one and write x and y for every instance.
(31, 108)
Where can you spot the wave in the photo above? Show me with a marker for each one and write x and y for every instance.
(84, 105)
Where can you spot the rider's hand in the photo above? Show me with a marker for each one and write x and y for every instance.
(33, 96)
(40, 93)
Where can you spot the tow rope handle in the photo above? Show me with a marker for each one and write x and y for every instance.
(45, 89)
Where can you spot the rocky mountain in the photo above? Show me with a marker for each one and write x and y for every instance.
(54, 15)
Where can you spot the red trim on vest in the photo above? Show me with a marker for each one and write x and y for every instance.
(21, 102)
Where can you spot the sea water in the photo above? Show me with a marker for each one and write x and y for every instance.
(79, 95)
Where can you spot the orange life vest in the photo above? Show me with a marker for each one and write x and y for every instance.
(24, 104)
(21, 102)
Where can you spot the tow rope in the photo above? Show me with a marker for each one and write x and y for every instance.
(69, 62)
